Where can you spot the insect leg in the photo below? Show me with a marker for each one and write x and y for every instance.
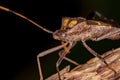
(62, 55)
(96, 54)
(68, 59)
(115, 32)
(71, 61)
(46, 53)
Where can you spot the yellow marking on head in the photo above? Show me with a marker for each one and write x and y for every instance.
(65, 22)
(72, 23)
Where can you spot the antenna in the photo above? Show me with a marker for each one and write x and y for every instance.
(24, 17)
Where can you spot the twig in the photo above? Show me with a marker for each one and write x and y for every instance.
(94, 69)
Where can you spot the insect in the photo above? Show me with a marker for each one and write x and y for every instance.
(72, 31)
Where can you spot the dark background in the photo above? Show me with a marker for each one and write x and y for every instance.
(21, 41)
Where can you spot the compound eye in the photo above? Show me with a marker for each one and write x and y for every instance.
(63, 35)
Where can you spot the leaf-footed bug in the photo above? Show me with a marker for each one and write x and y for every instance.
(74, 30)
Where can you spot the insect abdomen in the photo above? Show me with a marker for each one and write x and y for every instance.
(115, 36)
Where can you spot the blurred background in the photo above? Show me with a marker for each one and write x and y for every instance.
(21, 41)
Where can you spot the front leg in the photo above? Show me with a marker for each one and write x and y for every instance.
(62, 54)
(68, 59)
(46, 52)
(97, 55)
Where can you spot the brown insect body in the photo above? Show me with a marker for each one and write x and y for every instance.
(84, 30)
(72, 31)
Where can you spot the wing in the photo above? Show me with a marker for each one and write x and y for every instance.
(95, 15)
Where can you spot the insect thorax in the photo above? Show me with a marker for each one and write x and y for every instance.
(76, 33)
